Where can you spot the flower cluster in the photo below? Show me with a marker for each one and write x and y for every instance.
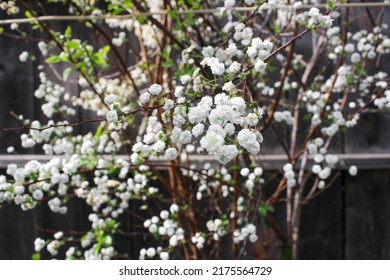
(173, 133)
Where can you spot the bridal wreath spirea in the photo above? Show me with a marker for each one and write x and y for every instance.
(153, 115)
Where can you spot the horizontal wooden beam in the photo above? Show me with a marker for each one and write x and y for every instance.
(363, 161)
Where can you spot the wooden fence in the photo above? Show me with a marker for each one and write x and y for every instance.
(349, 221)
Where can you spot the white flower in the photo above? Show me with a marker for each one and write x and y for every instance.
(229, 87)
(321, 184)
(258, 171)
(253, 238)
(287, 167)
(37, 194)
(325, 21)
(318, 158)
(324, 173)
(164, 256)
(174, 208)
(217, 68)
(289, 174)
(226, 153)
(159, 146)
(112, 116)
(355, 58)
(252, 119)
(151, 252)
(234, 67)
(70, 252)
(23, 56)
(229, 129)
(14, 26)
(39, 244)
(260, 66)
(168, 105)
(247, 139)
(155, 89)
(171, 154)
(198, 114)
(164, 214)
(244, 172)
(291, 182)
(179, 91)
(144, 97)
(229, 3)
(185, 79)
(313, 12)
(58, 235)
(316, 169)
(214, 138)
(238, 104)
(109, 99)
(353, 170)
(19, 189)
(221, 115)
(52, 247)
(186, 137)
(198, 129)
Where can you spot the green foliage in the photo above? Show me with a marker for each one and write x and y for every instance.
(28, 14)
(66, 73)
(36, 256)
(330, 4)
(265, 209)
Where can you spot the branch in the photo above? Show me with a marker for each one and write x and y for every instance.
(75, 124)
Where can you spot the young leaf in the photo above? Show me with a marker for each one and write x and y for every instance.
(66, 73)
(73, 45)
(29, 14)
(36, 256)
(105, 50)
(265, 209)
(53, 59)
(68, 32)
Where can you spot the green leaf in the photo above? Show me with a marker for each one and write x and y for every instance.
(105, 50)
(265, 209)
(99, 131)
(73, 45)
(28, 14)
(262, 211)
(128, 4)
(68, 32)
(330, 5)
(66, 73)
(173, 14)
(142, 20)
(36, 256)
(53, 59)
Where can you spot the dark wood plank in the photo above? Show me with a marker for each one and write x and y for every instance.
(17, 233)
(367, 215)
(370, 135)
(16, 89)
(321, 230)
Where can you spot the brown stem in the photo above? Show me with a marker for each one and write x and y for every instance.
(284, 75)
